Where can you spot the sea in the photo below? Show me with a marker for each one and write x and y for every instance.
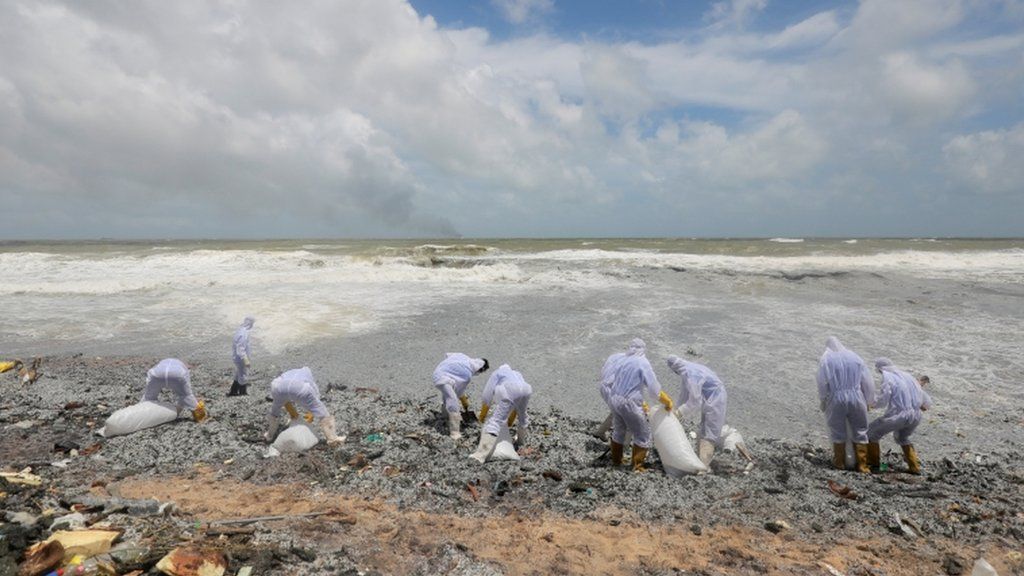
(757, 311)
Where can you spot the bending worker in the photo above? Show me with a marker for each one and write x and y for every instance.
(634, 378)
(905, 399)
(509, 393)
(297, 388)
(845, 390)
(701, 389)
(173, 374)
(452, 377)
(240, 355)
(636, 346)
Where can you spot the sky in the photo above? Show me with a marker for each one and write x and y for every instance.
(511, 118)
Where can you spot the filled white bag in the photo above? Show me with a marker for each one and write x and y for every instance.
(137, 417)
(505, 449)
(729, 438)
(297, 437)
(674, 449)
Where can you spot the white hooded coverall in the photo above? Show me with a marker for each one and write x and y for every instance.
(298, 387)
(701, 389)
(634, 378)
(636, 346)
(452, 376)
(505, 391)
(240, 349)
(170, 373)
(845, 392)
(905, 399)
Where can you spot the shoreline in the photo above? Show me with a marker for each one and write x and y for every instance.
(397, 451)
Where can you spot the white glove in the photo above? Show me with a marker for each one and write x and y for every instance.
(245, 361)
(327, 426)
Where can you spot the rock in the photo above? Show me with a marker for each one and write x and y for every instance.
(776, 526)
(696, 529)
(953, 565)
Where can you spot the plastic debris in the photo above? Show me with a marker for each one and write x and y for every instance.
(24, 477)
(41, 558)
(84, 542)
(192, 561)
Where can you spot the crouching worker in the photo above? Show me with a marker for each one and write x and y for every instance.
(172, 374)
(452, 377)
(297, 389)
(906, 399)
(845, 392)
(509, 394)
(701, 389)
(634, 378)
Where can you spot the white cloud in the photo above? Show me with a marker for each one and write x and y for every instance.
(734, 12)
(520, 11)
(363, 117)
(989, 161)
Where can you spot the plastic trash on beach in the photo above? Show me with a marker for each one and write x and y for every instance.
(674, 448)
(297, 437)
(983, 568)
(137, 417)
(505, 449)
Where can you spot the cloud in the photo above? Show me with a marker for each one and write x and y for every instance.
(366, 118)
(521, 11)
(988, 161)
(735, 13)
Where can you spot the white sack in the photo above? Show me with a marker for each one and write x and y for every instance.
(297, 437)
(145, 414)
(505, 449)
(730, 438)
(674, 449)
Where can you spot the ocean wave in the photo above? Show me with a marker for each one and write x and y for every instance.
(787, 240)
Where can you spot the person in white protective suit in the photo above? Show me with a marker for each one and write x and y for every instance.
(633, 380)
(701, 390)
(905, 399)
(297, 389)
(509, 394)
(173, 374)
(636, 346)
(845, 392)
(240, 355)
(452, 377)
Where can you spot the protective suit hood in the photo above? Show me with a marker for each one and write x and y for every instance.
(248, 322)
(884, 364)
(677, 364)
(834, 344)
(637, 346)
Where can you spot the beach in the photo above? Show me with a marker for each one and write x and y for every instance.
(372, 319)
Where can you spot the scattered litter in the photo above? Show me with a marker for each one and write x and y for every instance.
(25, 477)
(552, 474)
(375, 437)
(72, 521)
(192, 561)
(245, 571)
(776, 526)
(42, 557)
(269, 518)
(830, 569)
(841, 490)
(983, 568)
(84, 542)
(473, 492)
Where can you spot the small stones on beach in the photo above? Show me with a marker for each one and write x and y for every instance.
(777, 526)
(954, 565)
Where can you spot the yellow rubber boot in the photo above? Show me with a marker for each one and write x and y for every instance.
(511, 418)
(874, 455)
(616, 453)
(910, 455)
(839, 456)
(862, 458)
(638, 457)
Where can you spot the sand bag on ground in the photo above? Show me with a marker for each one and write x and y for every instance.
(505, 449)
(137, 417)
(297, 437)
(674, 449)
(729, 438)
